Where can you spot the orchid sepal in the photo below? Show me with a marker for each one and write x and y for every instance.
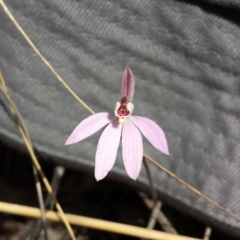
(128, 84)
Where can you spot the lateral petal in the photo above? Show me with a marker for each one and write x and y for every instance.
(89, 126)
(132, 149)
(107, 149)
(152, 132)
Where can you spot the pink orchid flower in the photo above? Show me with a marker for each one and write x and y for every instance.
(120, 124)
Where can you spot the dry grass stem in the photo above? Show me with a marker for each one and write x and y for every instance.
(20, 123)
(191, 188)
(158, 214)
(22, 129)
(9, 14)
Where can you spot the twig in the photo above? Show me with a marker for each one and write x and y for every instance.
(161, 218)
(92, 223)
(154, 214)
(207, 233)
(21, 126)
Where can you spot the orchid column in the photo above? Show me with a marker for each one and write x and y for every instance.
(121, 123)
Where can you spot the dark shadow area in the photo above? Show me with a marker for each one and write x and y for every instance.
(229, 12)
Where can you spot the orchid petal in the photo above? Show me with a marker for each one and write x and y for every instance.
(89, 126)
(107, 149)
(132, 149)
(153, 133)
(128, 84)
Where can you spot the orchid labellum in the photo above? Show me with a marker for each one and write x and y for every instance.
(120, 125)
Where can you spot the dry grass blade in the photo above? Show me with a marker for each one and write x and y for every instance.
(5, 8)
(20, 124)
(26, 138)
(85, 105)
(92, 223)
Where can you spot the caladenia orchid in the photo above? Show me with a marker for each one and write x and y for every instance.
(120, 125)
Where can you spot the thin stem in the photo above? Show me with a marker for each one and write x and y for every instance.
(155, 205)
(149, 176)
